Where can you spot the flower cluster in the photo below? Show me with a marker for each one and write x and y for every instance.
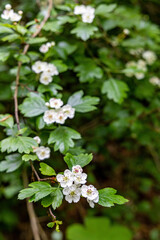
(73, 184)
(9, 14)
(139, 66)
(155, 81)
(58, 113)
(87, 13)
(45, 47)
(41, 152)
(47, 70)
(149, 56)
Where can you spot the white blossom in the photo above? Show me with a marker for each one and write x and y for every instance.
(80, 178)
(155, 81)
(37, 139)
(8, 6)
(43, 152)
(6, 14)
(66, 179)
(60, 117)
(150, 57)
(49, 116)
(43, 48)
(45, 78)
(15, 17)
(55, 103)
(126, 31)
(72, 193)
(79, 9)
(89, 192)
(92, 202)
(51, 69)
(68, 111)
(77, 169)
(39, 66)
(88, 15)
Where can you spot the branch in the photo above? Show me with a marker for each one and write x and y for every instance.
(34, 170)
(20, 63)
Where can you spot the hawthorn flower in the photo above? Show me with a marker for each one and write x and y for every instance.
(72, 193)
(15, 17)
(51, 69)
(92, 202)
(66, 179)
(7, 14)
(43, 48)
(43, 152)
(37, 139)
(60, 117)
(126, 31)
(45, 78)
(150, 57)
(155, 81)
(89, 192)
(55, 103)
(80, 178)
(77, 169)
(89, 15)
(68, 111)
(39, 66)
(79, 9)
(49, 116)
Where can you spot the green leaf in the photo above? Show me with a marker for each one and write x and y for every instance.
(27, 157)
(88, 71)
(62, 138)
(83, 104)
(103, 9)
(6, 120)
(11, 163)
(108, 197)
(98, 228)
(11, 37)
(47, 170)
(37, 191)
(53, 26)
(33, 106)
(57, 200)
(50, 224)
(19, 143)
(60, 65)
(82, 159)
(22, 58)
(36, 40)
(115, 90)
(4, 56)
(84, 31)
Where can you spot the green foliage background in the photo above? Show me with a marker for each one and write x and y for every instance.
(123, 133)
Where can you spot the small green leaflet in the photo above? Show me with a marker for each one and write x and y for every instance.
(11, 163)
(108, 197)
(54, 199)
(37, 191)
(4, 56)
(6, 120)
(83, 104)
(62, 138)
(82, 159)
(88, 70)
(115, 90)
(27, 157)
(50, 224)
(84, 31)
(47, 170)
(19, 143)
(103, 9)
(33, 106)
